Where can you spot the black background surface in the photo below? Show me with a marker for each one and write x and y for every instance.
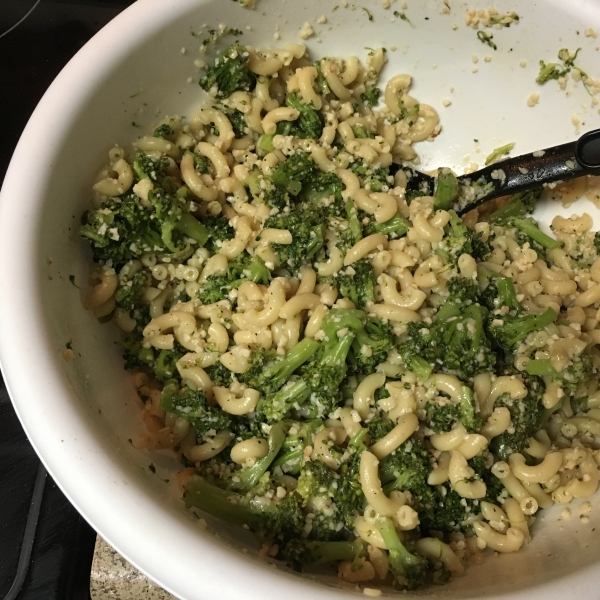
(31, 55)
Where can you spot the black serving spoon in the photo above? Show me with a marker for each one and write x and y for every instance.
(518, 174)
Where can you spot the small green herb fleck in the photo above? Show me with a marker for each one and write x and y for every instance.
(498, 152)
(369, 13)
(401, 15)
(486, 38)
(152, 468)
(134, 124)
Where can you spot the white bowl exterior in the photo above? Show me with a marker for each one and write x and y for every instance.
(80, 414)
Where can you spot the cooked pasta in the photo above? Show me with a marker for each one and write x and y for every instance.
(338, 357)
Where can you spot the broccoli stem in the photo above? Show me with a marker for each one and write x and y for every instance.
(324, 552)
(529, 228)
(398, 225)
(249, 477)
(507, 293)
(420, 367)
(265, 143)
(446, 191)
(224, 504)
(275, 406)
(408, 569)
(541, 367)
(353, 222)
(190, 226)
(279, 372)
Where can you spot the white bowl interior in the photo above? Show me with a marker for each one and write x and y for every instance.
(80, 414)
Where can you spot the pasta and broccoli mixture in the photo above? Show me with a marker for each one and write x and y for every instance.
(359, 376)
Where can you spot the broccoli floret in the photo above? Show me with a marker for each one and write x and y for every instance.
(357, 282)
(525, 416)
(442, 416)
(457, 345)
(270, 517)
(229, 73)
(309, 123)
(463, 292)
(317, 485)
(519, 206)
(128, 293)
(499, 291)
(292, 172)
(507, 330)
(219, 230)
(164, 366)
(219, 374)
(373, 178)
(268, 371)
(300, 436)
(371, 346)
(146, 168)
(238, 123)
(264, 190)
(308, 237)
(192, 406)
(322, 376)
(322, 194)
(457, 240)
(134, 353)
(406, 469)
(242, 268)
(408, 570)
(575, 372)
(371, 95)
(349, 496)
(163, 131)
(395, 228)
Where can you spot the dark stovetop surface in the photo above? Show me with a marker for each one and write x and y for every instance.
(46, 548)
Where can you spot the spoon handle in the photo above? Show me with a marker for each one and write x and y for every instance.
(522, 173)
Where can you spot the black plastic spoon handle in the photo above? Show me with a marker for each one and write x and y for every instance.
(528, 171)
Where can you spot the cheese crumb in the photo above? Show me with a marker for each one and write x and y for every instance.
(306, 31)
(446, 102)
(585, 509)
(488, 58)
(68, 355)
(371, 592)
(386, 3)
(322, 19)
(576, 122)
(454, 26)
(533, 99)
(565, 514)
(475, 58)
(474, 70)
(523, 63)
(589, 32)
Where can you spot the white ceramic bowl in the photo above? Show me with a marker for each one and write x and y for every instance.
(79, 414)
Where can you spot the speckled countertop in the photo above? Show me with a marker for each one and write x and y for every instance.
(113, 578)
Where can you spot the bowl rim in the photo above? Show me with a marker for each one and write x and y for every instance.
(129, 532)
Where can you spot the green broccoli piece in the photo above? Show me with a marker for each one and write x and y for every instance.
(219, 374)
(128, 293)
(458, 345)
(525, 415)
(499, 291)
(229, 73)
(408, 570)
(292, 172)
(395, 228)
(406, 469)
(446, 413)
(146, 168)
(578, 370)
(164, 366)
(163, 131)
(268, 371)
(308, 237)
(264, 190)
(507, 330)
(371, 95)
(267, 515)
(309, 124)
(447, 190)
(357, 283)
(303, 553)
(462, 292)
(219, 231)
(242, 268)
(370, 346)
(374, 178)
(192, 406)
(457, 240)
(300, 436)
(238, 123)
